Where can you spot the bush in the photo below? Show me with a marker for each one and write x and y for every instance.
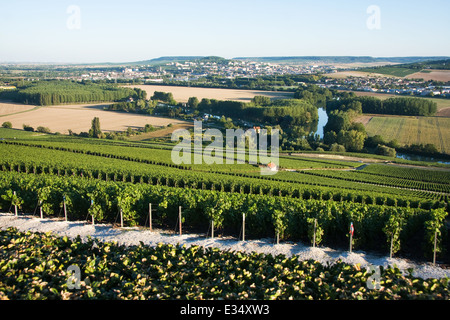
(43, 129)
(7, 124)
(386, 151)
(337, 148)
(28, 128)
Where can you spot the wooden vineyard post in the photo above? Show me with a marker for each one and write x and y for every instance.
(314, 233)
(121, 218)
(212, 229)
(392, 245)
(243, 227)
(278, 237)
(179, 219)
(434, 250)
(150, 216)
(41, 212)
(15, 205)
(351, 235)
(65, 208)
(93, 220)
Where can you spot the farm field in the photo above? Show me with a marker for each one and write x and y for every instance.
(9, 108)
(390, 71)
(182, 94)
(346, 74)
(437, 75)
(78, 118)
(411, 130)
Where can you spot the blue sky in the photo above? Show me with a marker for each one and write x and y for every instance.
(132, 30)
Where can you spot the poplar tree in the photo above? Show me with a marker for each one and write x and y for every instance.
(95, 131)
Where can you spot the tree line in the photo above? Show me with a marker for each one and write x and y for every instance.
(283, 112)
(395, 106)
(59, 92)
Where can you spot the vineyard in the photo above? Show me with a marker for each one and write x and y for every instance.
(33, 266)
(100, 178)
(394, 210)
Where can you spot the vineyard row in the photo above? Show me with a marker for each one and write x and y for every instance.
(376, 226)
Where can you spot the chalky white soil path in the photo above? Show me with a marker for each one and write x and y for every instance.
(133, 236)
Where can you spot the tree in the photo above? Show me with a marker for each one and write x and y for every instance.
(261, 100)
(352, 140)
(28, 128)
(386, 151)
(43, 129)
(193, 102)
(337, 148)
(329, 137)
(7, 124)
(373, 142)
(95, 131)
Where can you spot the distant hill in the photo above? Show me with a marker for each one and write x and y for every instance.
(180, 59)
(434, 64)
(337, 59)
(403, 70)
(163, 60)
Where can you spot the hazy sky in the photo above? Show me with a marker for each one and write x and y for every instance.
(133, 30)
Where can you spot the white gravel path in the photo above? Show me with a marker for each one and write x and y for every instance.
(133, 236)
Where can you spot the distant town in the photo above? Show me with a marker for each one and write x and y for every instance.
(199, 71)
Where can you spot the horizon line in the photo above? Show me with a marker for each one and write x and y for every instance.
(233, 58)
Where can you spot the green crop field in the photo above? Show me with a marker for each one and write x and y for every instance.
(390, 71)
(412, 130)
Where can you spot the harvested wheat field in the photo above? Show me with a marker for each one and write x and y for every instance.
(182, 94)
(427, 75)
(347, 74)
(8, 108)
(78, 118)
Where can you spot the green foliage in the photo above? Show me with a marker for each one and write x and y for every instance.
(386, 151)
(193, 102)
(56, 92)
(435, 227)
(12, 198)
(396, 71)
(314, 94)
(395, 106)
(35, 267)
(7, 124)
(265, 213)
(315, 229)
(261, 100)
(43, 129)
(352, 140)
(285, 112)
(164, 97)
(95, 131)
(151, 165)
(335, 147)
(27, 127)
(279, 221)
(393, 228)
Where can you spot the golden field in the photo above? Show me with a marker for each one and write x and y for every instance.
(76, 118)
(182, 94)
